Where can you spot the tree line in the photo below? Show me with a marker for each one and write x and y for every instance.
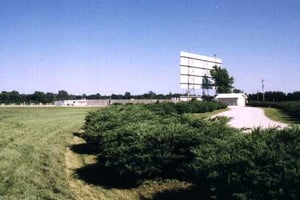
(14, 97)
(274, 96)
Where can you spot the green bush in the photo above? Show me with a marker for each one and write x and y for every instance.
(262, 165)
(159, 140)
(186, 107)
(290, 107)
(144, 141)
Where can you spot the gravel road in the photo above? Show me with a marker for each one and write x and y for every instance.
(249, 118)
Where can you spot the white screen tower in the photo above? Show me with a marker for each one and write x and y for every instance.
(193, 68)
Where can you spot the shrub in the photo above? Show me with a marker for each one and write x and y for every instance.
(290, 107)
(158, 140)
(260, 165)
(144, 141)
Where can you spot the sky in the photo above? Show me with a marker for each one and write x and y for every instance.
(114, 46)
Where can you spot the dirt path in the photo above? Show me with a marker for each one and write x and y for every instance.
(249, 118)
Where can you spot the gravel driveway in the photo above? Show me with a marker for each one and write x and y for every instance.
(249, 118)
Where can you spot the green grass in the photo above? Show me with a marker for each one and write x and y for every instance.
(208, 114)
(33, 142)
(279, 116)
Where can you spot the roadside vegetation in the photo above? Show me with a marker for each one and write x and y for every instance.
(135, 143)
(288, 112)
(279, 116)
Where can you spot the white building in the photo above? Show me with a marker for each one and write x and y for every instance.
(232, 99)
(81, 102)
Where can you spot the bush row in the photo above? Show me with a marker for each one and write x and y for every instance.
(140, 142)
(290, 107)
(193, 106)
(261, 165)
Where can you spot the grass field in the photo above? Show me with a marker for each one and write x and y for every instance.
(32, 151)
(279, 116)
(38, 160)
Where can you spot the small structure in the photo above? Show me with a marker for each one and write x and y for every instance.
(232, 99)
(189, 98)
(106, 102)
(81, 102)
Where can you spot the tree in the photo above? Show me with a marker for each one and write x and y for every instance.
(127, 95)
(223, 81)
(62, 95)
(206, 85)
(236, 90)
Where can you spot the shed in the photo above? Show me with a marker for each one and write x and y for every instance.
(232, 99)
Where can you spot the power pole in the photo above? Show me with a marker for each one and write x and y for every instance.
(263, 88)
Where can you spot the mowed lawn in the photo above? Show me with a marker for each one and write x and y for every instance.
(33, 142)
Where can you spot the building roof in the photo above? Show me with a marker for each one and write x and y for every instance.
(231, 95)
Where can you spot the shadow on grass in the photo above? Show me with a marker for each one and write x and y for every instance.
(83, 148)
(292, 119)
(179, 194)
(106, 177)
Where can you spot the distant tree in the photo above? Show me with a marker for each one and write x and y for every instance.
(235, 90)
(117, 96)
(94, 96)
(275, 96)
(206, 85)
(223, 81)
(62, 95)
(51, 97)
(295, 96)
(39, 97)
(127, 95)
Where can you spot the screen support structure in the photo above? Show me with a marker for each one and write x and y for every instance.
(190, 90)
(193, 69)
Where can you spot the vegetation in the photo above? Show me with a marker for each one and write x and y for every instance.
(32, 151)
(274, 96)
(279, 116)
(38, 97)
(149, 146)
(207, 84)
(208, 114)
(135, 143)
(290, 108)
(223, 81)
(41, 159)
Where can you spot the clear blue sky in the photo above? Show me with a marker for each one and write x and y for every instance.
(110, 46)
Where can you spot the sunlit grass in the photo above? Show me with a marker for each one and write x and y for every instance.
(279, 116)
(32, 147)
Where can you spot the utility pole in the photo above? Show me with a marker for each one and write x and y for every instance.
(188, 84)
(263, 88)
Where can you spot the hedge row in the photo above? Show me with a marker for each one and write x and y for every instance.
(290, 107)
(186, 107)
(262, 165)
(140, 142)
